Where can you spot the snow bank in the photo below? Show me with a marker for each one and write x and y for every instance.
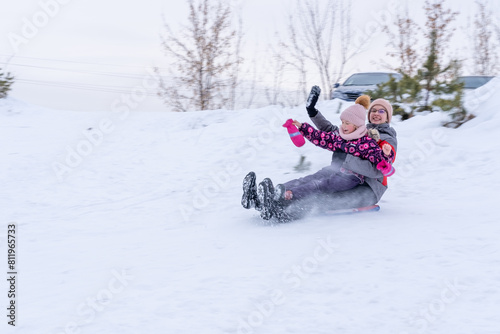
(131, 223)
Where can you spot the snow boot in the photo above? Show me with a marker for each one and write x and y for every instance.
(280, 203)
(249, 199)
(265, 195)
(279, 193)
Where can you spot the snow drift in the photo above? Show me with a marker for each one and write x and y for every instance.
(130, 222)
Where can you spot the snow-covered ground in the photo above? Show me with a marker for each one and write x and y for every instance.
(130, 222)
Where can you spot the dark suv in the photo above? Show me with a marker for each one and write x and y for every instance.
(359, 83)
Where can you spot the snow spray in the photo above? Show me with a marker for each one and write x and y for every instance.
(294, 133)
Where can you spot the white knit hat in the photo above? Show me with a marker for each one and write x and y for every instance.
(355, 114)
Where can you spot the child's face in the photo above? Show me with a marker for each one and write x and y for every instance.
(377, 115)
(347, 127)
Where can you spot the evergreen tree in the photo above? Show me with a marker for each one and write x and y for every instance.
(434, 84)
(432, 88)
(430, 74)
(454, 103)
(6, 80)
(403, 94)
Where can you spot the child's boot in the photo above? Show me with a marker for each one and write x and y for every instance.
(265, 196)
(249, 199)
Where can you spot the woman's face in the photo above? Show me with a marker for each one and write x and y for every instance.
(377, 114)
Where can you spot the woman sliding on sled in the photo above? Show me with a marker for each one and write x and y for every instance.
(352, 179)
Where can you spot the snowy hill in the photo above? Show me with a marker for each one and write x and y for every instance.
(130, 222)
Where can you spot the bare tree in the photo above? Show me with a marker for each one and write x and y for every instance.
(203, 55)
(250, 87)
(235, 71)
(404, 41)
(315, 34)
(295, 57)
(484, 52)
(274, 92)
(438, 22)
(311, 39)
(348, 48)
(497, 30)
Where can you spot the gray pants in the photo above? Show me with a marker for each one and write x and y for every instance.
(327, 180)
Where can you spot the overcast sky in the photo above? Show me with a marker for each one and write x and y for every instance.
(84, 54)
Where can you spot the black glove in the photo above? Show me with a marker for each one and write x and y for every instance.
(311, 101)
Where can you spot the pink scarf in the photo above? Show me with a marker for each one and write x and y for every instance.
(356, 134)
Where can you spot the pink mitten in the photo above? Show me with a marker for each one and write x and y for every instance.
(386, 168)
(294, 133)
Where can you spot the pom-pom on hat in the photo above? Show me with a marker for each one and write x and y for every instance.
(364, 100)
(356, 114)
(387, 106)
